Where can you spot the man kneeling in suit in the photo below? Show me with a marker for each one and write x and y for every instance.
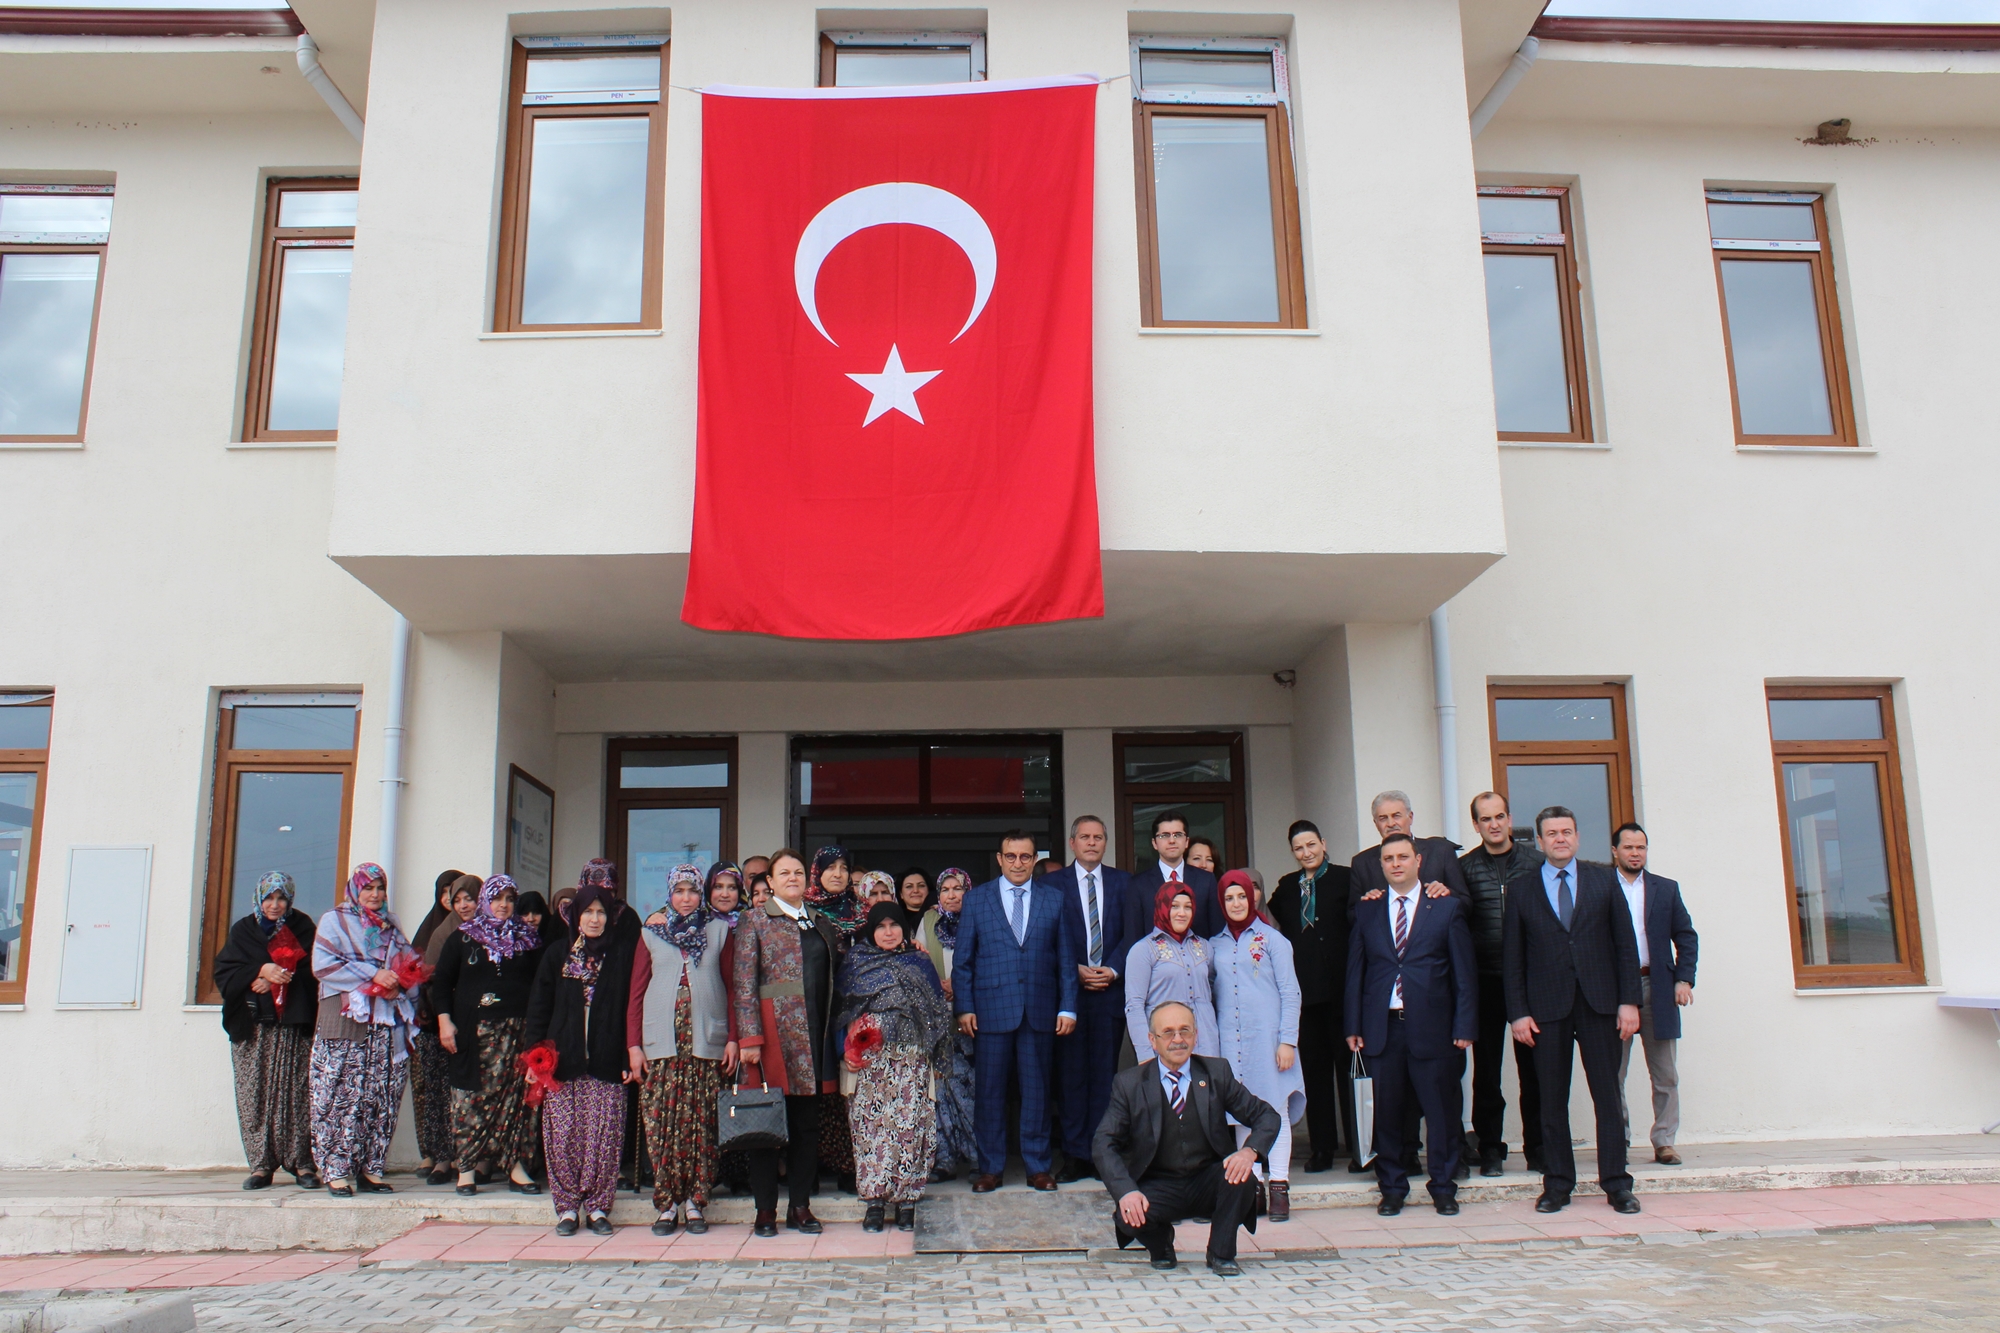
(1166, 1151)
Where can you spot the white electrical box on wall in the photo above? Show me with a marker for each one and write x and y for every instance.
(104, 927)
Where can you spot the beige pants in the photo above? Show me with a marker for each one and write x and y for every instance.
(1659, 1069)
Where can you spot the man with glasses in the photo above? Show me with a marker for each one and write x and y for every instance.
(1170, 845)
(1093, 922)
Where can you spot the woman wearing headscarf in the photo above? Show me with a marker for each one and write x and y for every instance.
(891, 991)
(875, 887)
(787, 957)
(268, 1012)
(937, 935)
(532, 908)
(480, 992)
(1257, 1021)
(722, 890)
(680, 1040)
(578, 1003)
(430, 1074)
(830, 891)
(1170, 963)
(361, 1043)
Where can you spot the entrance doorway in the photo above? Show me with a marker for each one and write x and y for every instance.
(1197, 775)
(905, 800)
(671, 801)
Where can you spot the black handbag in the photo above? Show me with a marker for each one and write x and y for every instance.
(750, 1120)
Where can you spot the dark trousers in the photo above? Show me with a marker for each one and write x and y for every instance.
(1170, 1199)
(1023, 1059)
(1489, 1059)
(1324, 1065)
(801, 1154)
(1430, 1080)
(1087, 1060)
(1595, 1037)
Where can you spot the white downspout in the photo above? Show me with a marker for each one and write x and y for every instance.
(1447, 711)
(323, 84)
(392, 744)
(1489, 105)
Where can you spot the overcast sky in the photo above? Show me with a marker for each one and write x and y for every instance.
(1833, 11)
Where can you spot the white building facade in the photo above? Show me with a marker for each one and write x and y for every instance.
(1671, 397)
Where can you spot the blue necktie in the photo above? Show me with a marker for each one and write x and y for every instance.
(1565, 904)
(1015, 919)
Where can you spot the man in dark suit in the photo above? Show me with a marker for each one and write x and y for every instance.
(1170, 845)
(1667, 950)
(1571, 962)
(1014, 989)
(1392, 813)
(1487, 869)
(1093, 922)
(1310, 907)
(1166, 1150)
(1412, 1009)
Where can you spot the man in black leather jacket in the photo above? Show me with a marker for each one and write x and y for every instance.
(1487, 868)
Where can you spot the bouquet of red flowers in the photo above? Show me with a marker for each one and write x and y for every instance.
(411, 972)
(537, 1065)
(864, 1037)
(287, 953)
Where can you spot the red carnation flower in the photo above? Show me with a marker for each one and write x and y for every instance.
(864, 1037)
(537, 1065)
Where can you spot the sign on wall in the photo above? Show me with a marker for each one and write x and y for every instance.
(531, 831)
(104, 927)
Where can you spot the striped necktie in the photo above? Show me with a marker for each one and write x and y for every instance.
(1177, 1098)
(1095, 922)
(1402, 936)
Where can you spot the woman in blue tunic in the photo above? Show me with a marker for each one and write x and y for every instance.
(1257, 1017)
(1170, 964)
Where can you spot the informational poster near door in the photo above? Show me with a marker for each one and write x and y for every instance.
(531, 831)
(104, 927)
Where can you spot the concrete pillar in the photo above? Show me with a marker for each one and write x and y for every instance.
(450, 811)
(1395, 723)
(1323, 744)
(579, 803)
(1089, 786)
(762, 792)
(1273, 801)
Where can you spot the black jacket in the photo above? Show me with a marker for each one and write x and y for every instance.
(1486, 877)
(1128, 1138)
(556, 1007)
(1439, 866)
(1545, 965)
(471, 985)
(1319, 954)
(242, 957)
(1440, 985)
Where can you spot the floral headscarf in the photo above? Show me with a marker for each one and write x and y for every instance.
(947, 922)
(844, 908)
(365, 874)
(714, 881)
(503, 939)
(688, 931)
(280, 883)
(868, 881)
(1163, 904)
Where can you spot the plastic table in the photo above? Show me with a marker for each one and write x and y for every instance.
(1991, 1004)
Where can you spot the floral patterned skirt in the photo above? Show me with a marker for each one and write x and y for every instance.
(677, 1108)
(357, 1088)
(583, 1126)
(274, 1097)
(895, 1127)
(495, 1125)
(430, 1098)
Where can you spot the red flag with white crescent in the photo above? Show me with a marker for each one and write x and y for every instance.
(894, 420)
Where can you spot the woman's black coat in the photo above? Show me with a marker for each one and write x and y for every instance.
(467, 978)
(555, 1007)
(237, 966)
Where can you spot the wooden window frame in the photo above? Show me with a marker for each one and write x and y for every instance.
(230, 763)
(1569, 285)
(618, 800)
(1618, 750)
(37, 763)
(519, 171)
(1826, 300)
(270, 279)
(99, 248)
(1234, 794)
(1886, 756)
(832, 40)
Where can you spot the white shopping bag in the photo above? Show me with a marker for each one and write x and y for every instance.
(1364, 1111)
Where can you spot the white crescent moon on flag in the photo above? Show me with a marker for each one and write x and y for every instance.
(895, 201)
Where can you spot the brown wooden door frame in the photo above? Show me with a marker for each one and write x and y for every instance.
(1232, 794)
(617, 802)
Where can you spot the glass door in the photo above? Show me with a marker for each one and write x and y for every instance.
(1196, 775)
(673, 802)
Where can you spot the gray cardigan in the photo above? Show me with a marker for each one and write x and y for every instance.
(708, 994)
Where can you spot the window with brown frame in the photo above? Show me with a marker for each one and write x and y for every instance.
(670, 800)
(1534, 315)
(581, 212)
(1197, 775)
(284, 793)
(299, 335)
(24, 774)
(1219, 238)
(52, 247)
(1780, 318)
(1846, 836)
(899, 59)
(1563, 745)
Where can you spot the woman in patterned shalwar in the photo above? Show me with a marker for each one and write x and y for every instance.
(937, 934)
(361, 1045)
(267, 1010)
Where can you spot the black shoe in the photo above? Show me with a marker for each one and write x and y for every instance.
(767, 1225)
(256, 1180)
(1551, 1202)
(1073, 1171)
(468, 1189)
(565, 1226)
(1354, 1167)
(1623, 1202)
(342, 1191)
(872, 1219)
(532, 1187)
(1491, 1165)
(1319, 1161)
(1165, 1262)
(665, 1225)
(600, 1225)
(697, 1226)
(906, 1217)
(1391, 1205)
(1445, 1207)
(367, 1186)
(802, 1220)
(939, 1175)
(439, 1175)
(1225, 1268)
(307, 1180)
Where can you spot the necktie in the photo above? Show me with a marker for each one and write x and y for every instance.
(1020, 926)
(1095, 922)
(1177, 1098)
(1565, 904)
(1174, 875)
(1402, 936)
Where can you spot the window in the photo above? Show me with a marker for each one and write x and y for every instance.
(299, 339)
(1218, 204)
(1533, 317)
(672, 801)
(24, 771)
(1197, 774)
(1847, 845)
(895, 59)
(1781, 322)
(52, 242)
(1563, 745)
(284, 791)
(580, 231)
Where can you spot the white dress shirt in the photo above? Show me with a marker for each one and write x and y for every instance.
(1174, 873)
(1396, 895)
(1635, 898)
(795, 913)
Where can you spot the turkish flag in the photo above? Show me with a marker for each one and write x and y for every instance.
(894, 420)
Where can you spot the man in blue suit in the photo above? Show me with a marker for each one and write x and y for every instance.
(1170, 845)
(1668, 947)
(1014, 987)
(1093, 923)
(1412, 1009)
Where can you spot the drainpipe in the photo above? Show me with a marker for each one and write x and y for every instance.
(1447, 711)
(392, 744)
(323, 84)
(1489, 105)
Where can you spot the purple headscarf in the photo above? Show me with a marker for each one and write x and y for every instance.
(502, 939)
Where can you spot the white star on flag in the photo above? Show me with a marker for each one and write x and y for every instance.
(895, 389)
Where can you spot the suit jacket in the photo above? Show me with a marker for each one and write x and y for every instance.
(1128, 1138)
(1439, 970)
(1544, 965)
(1319, 951)
(1439, 865)
(1111, 888)
(1144, 886)
(1008, 985)
(1671, 948)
